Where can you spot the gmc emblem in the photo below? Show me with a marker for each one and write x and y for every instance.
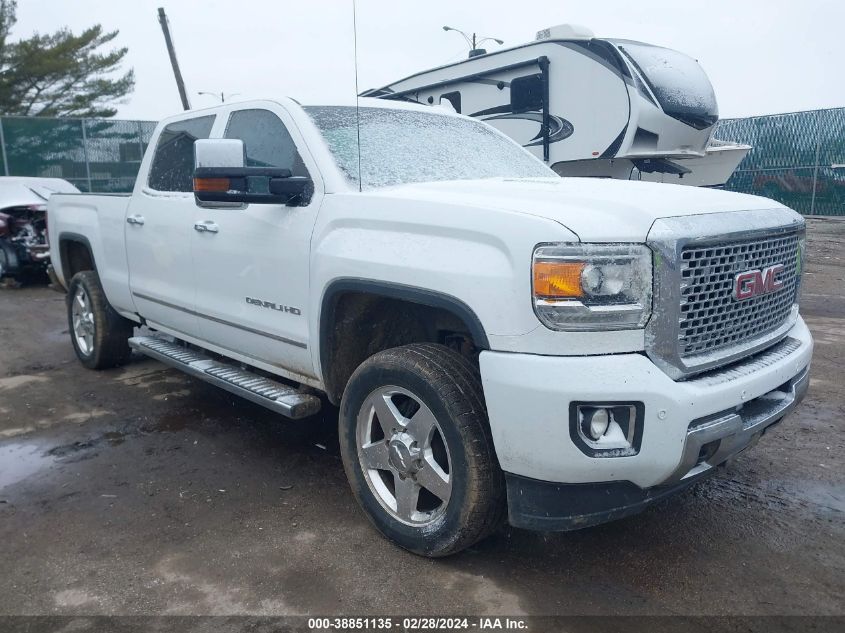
(752, 283)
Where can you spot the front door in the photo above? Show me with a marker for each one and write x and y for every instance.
(251, 264)
(159, 227)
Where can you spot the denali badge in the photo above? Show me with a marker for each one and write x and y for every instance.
(757, 282)
(273, 306)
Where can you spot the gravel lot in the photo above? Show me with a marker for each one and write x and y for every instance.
(141, 491)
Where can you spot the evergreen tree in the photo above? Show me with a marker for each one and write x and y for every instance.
(61, 74)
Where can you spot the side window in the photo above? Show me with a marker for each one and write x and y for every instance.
(266, 140)
(173, 163)
(454, 98)
(527, 93)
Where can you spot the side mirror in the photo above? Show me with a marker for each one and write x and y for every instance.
(219, 152)
(222, 179)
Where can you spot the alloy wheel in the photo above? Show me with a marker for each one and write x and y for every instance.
(83, 321)
(404, 455)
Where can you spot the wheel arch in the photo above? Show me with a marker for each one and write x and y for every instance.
(75, 255)
(338, 357)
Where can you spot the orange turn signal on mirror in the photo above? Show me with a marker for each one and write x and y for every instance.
(211, 184)
(558, 280)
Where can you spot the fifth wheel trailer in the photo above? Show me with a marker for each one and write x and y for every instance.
(589, 106)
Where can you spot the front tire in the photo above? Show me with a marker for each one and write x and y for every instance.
(98, 333)
(417, 449)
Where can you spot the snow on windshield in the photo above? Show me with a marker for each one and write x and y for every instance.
(678, 81)
(405, 146)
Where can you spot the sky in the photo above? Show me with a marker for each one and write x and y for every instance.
(762, 56)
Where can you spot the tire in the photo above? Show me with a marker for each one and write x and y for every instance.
(98, 333)
(432, 483)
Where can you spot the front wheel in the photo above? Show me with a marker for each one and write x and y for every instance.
(98, 333)
(417, 449)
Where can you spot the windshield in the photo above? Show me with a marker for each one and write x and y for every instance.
(678, 81)
(405, 146)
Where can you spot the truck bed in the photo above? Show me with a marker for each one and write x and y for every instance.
(98, 220)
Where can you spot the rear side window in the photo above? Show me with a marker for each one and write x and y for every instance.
(173, 163)
(266, 140)
(527, 93)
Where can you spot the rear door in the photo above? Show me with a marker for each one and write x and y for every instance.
(251, 264)
(159, 228)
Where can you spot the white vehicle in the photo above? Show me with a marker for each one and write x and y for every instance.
(587, 106)
(24, 251)
(498, 339)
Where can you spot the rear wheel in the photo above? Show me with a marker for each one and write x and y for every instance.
(417, 449)
(98, 333)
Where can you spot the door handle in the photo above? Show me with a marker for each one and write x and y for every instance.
(137, 220)
(206, 227)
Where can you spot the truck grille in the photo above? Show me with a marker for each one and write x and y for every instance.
(710, 318)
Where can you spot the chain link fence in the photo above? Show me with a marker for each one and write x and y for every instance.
(97, 155)
(797, 159)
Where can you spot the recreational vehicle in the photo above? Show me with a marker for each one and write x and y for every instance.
(589, 106)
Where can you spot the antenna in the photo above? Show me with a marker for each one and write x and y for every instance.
(357, 108)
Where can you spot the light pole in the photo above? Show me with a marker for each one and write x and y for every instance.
(474, 41)
(219, 95)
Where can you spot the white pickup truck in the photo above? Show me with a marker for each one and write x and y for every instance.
(498, 339)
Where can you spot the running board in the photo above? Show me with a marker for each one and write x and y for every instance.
(241, 382)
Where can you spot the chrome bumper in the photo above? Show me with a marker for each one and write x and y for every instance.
(712, 440)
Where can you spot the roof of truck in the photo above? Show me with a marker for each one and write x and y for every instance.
(350, 101)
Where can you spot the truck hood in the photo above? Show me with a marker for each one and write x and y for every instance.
(22, 192)
(597, 210)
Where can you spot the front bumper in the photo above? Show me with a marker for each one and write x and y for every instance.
(549, 507)
(689, 427)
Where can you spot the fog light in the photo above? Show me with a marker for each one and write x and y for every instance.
(607, 429)
(596, 422)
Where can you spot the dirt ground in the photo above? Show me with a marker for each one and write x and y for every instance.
(142, 491)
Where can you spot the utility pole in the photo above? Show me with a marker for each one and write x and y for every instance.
(180, 84)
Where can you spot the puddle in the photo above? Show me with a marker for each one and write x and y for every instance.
(114, 438)
(20, 460)
(825, 496)
(818, 496)
(80, 451)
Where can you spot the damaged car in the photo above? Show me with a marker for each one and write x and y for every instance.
(24, 247)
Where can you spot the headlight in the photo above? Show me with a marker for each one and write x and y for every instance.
(592, 286)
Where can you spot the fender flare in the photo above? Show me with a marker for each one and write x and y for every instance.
(66, 237)
(412, 294)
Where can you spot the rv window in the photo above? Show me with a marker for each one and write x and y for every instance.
(173, 162)
(527, 93)
(454, 98)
